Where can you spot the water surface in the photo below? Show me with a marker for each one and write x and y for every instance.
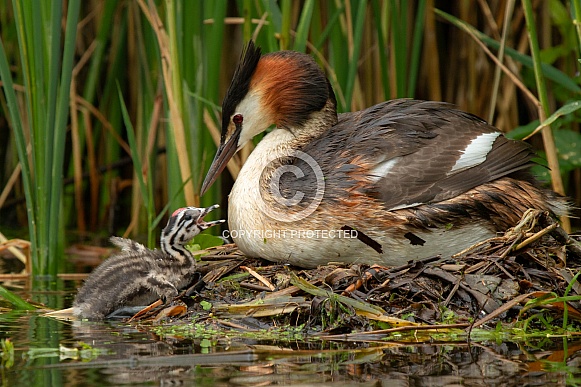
(50, 352)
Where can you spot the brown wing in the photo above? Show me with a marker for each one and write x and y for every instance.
(410, 153)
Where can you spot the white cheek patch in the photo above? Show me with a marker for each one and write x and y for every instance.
(255, 118)
(475, 153)
(382, 169)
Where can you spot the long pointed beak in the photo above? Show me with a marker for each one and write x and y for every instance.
(211, 223)
(225, 152)
(203, 212)
(207, 210)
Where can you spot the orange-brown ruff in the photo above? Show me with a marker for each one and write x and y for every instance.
(401, 180)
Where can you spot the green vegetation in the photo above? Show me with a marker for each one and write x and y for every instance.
(39, 120)
(206, 331)
(16, 302)
(7, 354)
(111, 109)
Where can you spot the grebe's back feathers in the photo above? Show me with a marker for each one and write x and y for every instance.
(123, 278)
(417, 177)
(433, 151)
(128, 245)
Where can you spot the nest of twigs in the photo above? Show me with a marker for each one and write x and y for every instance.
(487, 283)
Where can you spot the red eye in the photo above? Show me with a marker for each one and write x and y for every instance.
(237, 119)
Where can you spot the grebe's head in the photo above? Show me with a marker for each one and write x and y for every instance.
(184, 224)
(282, 88)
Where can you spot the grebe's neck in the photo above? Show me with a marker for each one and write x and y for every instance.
(283, 141)
(172, 246)
(251, 191)
(313, 127)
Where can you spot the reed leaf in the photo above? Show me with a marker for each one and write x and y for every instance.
(285, 27)
(138, 168)
(562, 111)
(331, 23)
(548, 139)
(16, 301)
(356, 50)
(303, 26)
(47, 71)
(383, 49)
(577, 23)
(416, 48)
(398, 18)
(172, 60)
(16, 123)
(548, 71)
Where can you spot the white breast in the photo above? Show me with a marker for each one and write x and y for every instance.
(247, 220)
(259, 235)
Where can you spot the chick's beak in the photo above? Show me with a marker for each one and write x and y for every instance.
(226, 150)
(211, 223)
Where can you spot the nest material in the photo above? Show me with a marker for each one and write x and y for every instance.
(487, 283)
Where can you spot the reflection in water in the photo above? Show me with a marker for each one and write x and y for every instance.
(123, 355)
(49, 352)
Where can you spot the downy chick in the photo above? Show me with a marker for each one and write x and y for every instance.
(138, 275)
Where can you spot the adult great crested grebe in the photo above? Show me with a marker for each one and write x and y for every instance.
(404, 179)
(138, 275)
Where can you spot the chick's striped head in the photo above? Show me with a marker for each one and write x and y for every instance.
(184, 224)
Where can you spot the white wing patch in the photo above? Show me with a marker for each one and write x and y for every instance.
(405, 205)
(475, 153)
(382, 169)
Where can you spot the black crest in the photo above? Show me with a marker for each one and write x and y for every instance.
(240, 82)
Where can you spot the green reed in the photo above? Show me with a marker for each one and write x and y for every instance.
(41, 120)
(146, 79)
(542, 72)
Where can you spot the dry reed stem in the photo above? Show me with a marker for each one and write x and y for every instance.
(515, 301)
(548, 139)
(10, 184)
(93, 171)
(497, 71)
(75, 136)
(259, 277)
(13, 179)
(151, 14)
(77, 158)
(536, 236)
(330, 74)
(360, 335)
(553, 161)
(241, 20)
(431, 51)
(12, 245)
(505, 69)
(103, 120)
(262, 22)
(152, 132)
